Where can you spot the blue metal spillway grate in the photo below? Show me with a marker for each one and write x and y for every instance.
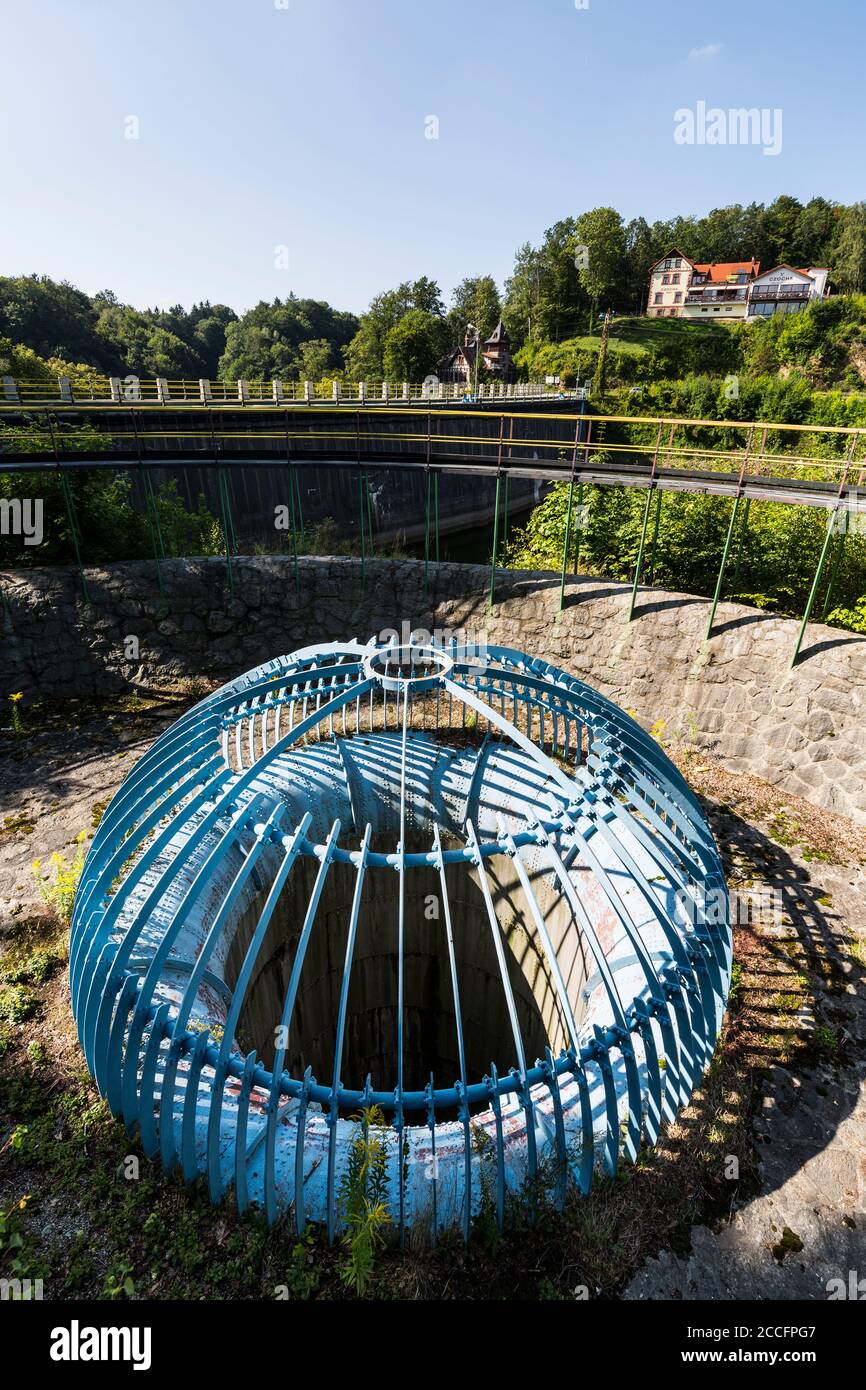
(460, 886)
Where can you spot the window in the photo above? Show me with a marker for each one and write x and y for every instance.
(678, 261)
(675, 279)
(672, 313)
(678, 297)
(666, 279)
(657, 299)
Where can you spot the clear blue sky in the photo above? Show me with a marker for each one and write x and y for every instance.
(304, 127)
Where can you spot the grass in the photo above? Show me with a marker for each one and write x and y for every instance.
(639, 336)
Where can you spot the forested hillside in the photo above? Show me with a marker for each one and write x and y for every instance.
(585, 264)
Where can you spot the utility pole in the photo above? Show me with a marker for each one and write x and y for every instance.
(477, 332)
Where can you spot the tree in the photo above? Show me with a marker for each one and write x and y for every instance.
(602, 233)
(265, 344)
(850, 249)
(414, 346)
(475, 300)
(54, 319)
(315, 359)
(365, 354)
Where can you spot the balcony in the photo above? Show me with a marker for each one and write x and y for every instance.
(717, 296)
(781, 292)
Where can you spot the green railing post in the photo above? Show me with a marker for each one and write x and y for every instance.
(361, 520)
(495, 543)
(652, 558)
(831, 529)
(427, 535)
(154, 528)
(834, 571)
(228, 529)
(369, 497)
(741, 541)
(578, 530)
(300, 507)
(725, 553)
(73, 527)
(637, 568)
(566, 542)
(505, 516)
(294, 534)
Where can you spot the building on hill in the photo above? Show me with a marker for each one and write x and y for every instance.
(785, 290)
(459, 364)
(682, 288)
(721, 289)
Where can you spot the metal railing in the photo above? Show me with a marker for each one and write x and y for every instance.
(778, 292)
(97, 389)
(810, 465)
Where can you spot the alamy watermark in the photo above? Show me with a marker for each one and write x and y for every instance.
(22, 516)
(417, 641)
(738, 125)
(760, 905)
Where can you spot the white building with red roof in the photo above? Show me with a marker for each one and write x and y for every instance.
(682, 288)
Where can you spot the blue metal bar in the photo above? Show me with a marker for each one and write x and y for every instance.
(339, 1040)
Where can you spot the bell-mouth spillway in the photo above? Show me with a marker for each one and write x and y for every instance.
(457, 885)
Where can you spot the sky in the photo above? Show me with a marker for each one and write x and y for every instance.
(238, 150)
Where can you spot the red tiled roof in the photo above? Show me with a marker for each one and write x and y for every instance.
(723, 270)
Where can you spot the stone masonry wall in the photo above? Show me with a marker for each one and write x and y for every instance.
(733, 696)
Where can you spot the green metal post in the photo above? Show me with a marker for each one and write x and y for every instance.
(637, 568)
(73, 527)
(495, 544)
(294, 536)
(300, 508)
(227, 530)
(725, 553)
(566, 543)
(505, 516)
(831, 529)
(652, 558)
(154, 528)
(744, 529)
(7, 609)
(361, 519)
(578, 530)
(369, 497)
(834, 572)
(427, 535)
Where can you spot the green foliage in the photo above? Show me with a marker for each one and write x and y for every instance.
(414, 346)
(779, 558)
(58, 883)
(17, 1003)
(601, 232)
(476, 301)
(365, 354)
(110, 524)
(285, 341)
(853, 618)
(56, 321)
(640, 350)
(364, 1198)
(119, 1282)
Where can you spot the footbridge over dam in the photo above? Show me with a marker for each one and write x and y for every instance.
(508, 443)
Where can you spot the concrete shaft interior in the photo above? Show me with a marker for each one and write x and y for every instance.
(457, 885)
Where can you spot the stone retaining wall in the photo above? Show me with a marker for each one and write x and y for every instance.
(734, 696)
